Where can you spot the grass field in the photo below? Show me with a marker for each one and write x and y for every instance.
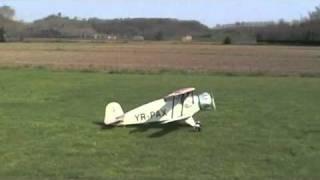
(151, 56)
(50, 128)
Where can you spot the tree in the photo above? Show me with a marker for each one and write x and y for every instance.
(2, 35)
(259, 37)
(227, 40)
(159, 36)
(7, 12)
(315, 15)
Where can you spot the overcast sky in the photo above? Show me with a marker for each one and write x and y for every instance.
(209, 12)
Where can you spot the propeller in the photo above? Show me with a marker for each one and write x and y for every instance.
(213, 102)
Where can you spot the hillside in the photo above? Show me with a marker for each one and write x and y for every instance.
(12, 28)
(56, 26)
(149, 28)
(299, 32)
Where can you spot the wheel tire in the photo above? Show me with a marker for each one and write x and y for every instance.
(198, 129)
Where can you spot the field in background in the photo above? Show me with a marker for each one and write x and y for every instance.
(151, 56)
(50, 122)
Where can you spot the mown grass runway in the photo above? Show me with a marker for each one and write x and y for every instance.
(50, 128)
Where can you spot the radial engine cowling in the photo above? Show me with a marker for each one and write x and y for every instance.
(206, 102)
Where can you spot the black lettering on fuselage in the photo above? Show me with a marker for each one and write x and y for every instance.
(163, 111)
(157, 114)
(152, 115)
(142, 116)
(137, 117)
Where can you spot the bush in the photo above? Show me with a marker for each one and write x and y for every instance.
(158, 36)
(227, 40)
(2, 35)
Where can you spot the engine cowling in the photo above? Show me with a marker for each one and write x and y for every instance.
(206, 102)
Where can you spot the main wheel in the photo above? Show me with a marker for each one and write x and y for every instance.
(198, 129)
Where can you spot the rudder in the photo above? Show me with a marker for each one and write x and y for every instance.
(112, 113)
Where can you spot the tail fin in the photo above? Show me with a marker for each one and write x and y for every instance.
(113, 113)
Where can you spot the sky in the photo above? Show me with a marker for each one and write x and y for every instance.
(208, 12)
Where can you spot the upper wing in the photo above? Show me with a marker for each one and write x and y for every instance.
(180, 92)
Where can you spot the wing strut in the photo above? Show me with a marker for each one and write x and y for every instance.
(183, 98)
(182, 102)
(192, 97)
(172, 106)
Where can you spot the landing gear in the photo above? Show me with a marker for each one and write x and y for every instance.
(197, 127)
(195, 124)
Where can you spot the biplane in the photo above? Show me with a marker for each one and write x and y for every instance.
(180, 105)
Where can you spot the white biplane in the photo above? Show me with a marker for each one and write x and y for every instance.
(180, 105)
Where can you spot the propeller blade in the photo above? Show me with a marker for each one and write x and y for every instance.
(213, 102)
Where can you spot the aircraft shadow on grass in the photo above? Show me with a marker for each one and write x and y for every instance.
(161, 129)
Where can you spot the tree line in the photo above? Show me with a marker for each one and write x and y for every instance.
(59, 26)
(305, 31)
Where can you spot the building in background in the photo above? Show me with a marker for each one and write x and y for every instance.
(138, 38)
(187, 38)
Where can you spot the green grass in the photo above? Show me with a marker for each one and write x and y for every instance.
(264, 128)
